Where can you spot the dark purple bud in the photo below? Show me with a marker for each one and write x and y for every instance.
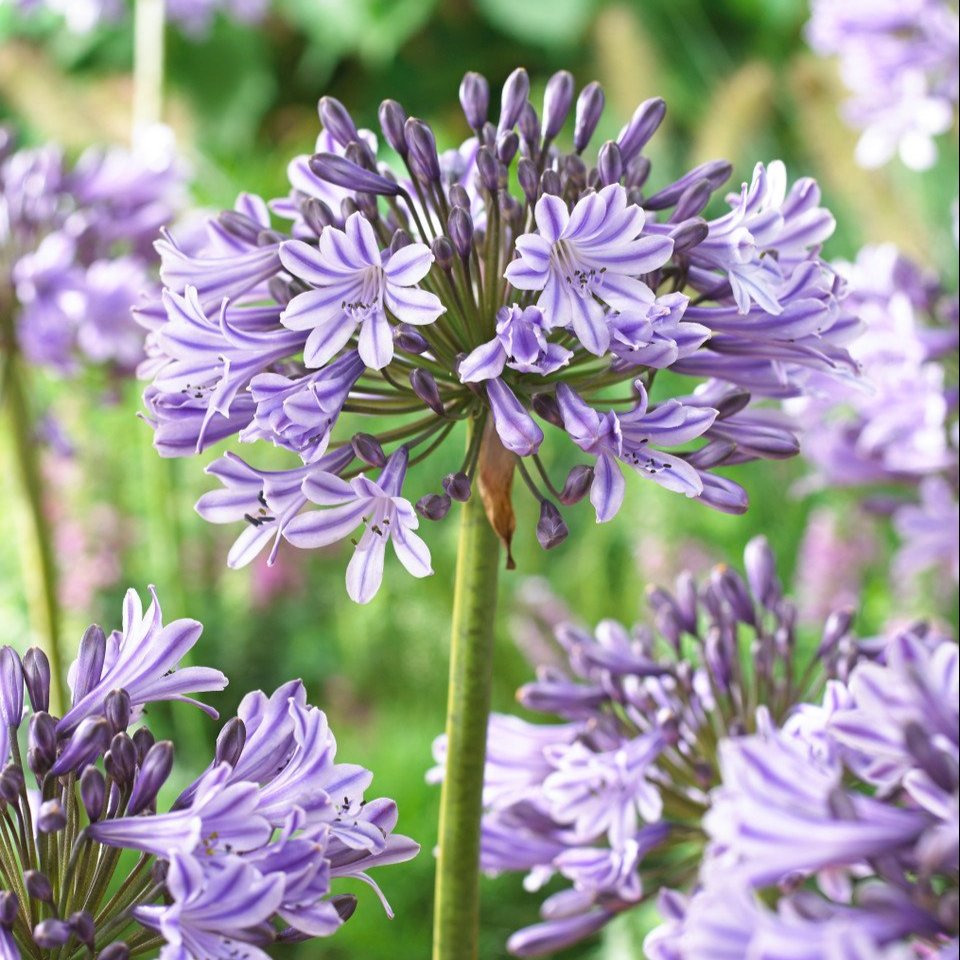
(158, 871)
(392, 118)
(458, 196)
(557, 100)
(93, 791)
(348, 206)
(589, 107)
(550, 183)
(233, 736)
(337, 121)
(488, 169)
(270, 238)
(609, 164)
(409, 339)
(11, 687)
(835, 629)
(422, 147)
(120, 760)
(81, 923)
(367, 448)
(359, 152)
(761, 568)
(689, 234)
(510, 208)
(143, 740)
(577, 486)
(546, 407)
(280, 290)
(36, 677)
(551, 530)
(239, 225)
(399, 240)
(457, 486)
(317, 215)
(38, 886)
(89, 664)
(715, 172)
(51, 816)
(507, 145)
(711, 454)
(475, 99)
(434, 506)
(642, 126)
(692, 201)
(732, 403)
(367, 205)
(117, 950)
(636, 173)
(153, 773)
(723, 494)
(11, 783)
(425, 387)
(488, 136)
(343, 173)
(460, 228)
(50, 934)
(512, 98)
(9, 906)
(42, 742)
(529, 126)
(345, 904)
(732, 588)
(117, 709)
(443, 253)
(87, 742)
(529, 179)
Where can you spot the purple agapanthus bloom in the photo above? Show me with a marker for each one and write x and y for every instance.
(899, 61)
(76, 247)
(707, 760)
(249, 854)
(440, 294)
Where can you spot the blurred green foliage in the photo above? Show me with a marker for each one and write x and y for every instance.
(738, 82)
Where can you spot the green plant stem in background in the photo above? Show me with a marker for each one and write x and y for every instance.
(36, 539)
(456, 924)
(148, 37)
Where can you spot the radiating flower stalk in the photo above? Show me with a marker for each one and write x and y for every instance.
(244, 857)
(714, 761)
(512, 285)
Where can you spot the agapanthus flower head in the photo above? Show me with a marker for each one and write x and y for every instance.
(513, 284)
(247, 856)
(75, 244)
(899, 61)
(717, 754)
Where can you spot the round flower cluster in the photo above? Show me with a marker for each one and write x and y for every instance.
(244, 857)
(897, 428)
(711, 754)
(899, 59)
(75, 250)
(510, 283)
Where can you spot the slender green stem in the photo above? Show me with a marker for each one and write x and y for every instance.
(457, 904)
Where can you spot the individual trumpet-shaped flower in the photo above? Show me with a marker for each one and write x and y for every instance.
(378, 506)
(354, 289)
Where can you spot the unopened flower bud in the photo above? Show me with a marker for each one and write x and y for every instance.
(733, 589)
(337, 121)
(589, 107)
(88, 741)
(692, 201)
(761, 572)
(51, 816)
(392, 119)
(550, 183)
(609, 164)
(368, 449)
(344, 173)
(458, 196)
(239, 225)
(38, 886)
(120, 761)
(269, 238)
(399, 240)
(488, 169)
(475, 99)
(577, 486)
(457, 485)
(433, 506)
(143, 740)
(81, 923)
(36, 678)
(117, 950)
(460, 229)
(557, 100)
(528, 123)
(11, 687)
(9, 907)
(11, 783)
(529, 179)
(89, 663)
(551, 528)
(546, 407)
(93, 790)
(52, 933)
(345, 904)
(507, 145)
(689, 234)
(715, 172)
(348, 207)
(425, 387)
(42, 743)
(117, 709)
(409, 339)
(443, 253)
(153, 773)
(233, 736)
(317, 215)
(834, 630)
(641, 127)
(512, 98)
(422, 151)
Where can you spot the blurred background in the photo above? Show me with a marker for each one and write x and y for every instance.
(739, 83)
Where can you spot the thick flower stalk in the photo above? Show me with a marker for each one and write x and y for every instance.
(245, 857)
(713, 751)
(899, 61)
(512, 282)
(894, 433)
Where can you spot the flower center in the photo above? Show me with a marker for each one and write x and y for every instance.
(584, 280)
(370, 300)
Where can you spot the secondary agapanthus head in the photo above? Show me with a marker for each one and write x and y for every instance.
(713, 737)
(515, 284)
(900, 62)
(247, 856)
(75, 248)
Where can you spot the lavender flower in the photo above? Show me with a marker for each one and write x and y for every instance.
(707, 760)
(247, 856)
(435, 296)
(76, 245)
(900, 63)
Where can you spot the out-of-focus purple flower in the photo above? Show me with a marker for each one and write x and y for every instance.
(699, 757)
(928, 530)
(899, 61)
(427, 297)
